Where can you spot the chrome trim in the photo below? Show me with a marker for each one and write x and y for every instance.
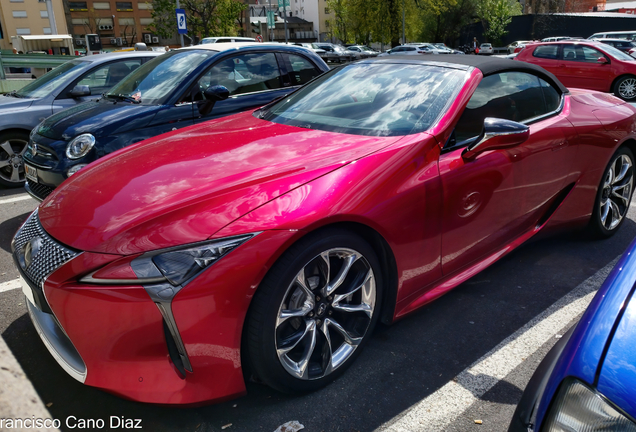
(58, 343)
(490, 135)
(546, 115)
(90, 279)
(37, 165)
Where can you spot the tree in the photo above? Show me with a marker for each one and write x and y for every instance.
(495, 15)
(205, 17)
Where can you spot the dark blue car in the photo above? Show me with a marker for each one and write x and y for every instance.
(177, 89)
(587, 382)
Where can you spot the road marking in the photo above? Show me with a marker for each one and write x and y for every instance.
(11, 285)
(16, 199)
(438, 410)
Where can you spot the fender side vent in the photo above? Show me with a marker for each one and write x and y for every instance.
(173, 351)
(554, 205)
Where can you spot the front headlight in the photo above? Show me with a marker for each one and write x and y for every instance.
(579, 408)
(177, 266)
(80, 146)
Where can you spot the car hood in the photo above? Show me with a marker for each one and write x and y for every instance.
(184, 186)
(15, 104)
(101, 117)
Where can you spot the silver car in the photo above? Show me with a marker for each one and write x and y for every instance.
(75, 81)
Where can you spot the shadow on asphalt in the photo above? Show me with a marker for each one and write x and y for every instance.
(6, 192)
(400, 366)
(8, 229)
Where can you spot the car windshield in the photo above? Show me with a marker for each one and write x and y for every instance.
(48, 82)
(154, 82)
(616, 53)
(371, 99)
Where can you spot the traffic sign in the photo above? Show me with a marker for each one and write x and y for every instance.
(283, 4)
(271, 19)
(259, 38)
(182, 25)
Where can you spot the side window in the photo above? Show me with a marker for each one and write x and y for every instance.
(581, 53)
(552, 97)
(546, 52)
(302, 69)
(516, 96)
(245, 73)
(106, 76)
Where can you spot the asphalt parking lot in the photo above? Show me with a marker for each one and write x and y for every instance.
(458, 364)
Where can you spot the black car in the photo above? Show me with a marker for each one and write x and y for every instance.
(174, 90)
(622, 44)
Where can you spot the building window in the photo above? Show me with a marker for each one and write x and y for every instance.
(19, 14)
(124, 6)
(44, 14)
(23, 31)
(76, 6)
(126, 21)
(79, 21)
(46, 30)
(145, 21)
(101, 5)
(144, 6)
(326, 11)
(17, 1)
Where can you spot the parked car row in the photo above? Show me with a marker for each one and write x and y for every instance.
(174, 90)
(264, 213)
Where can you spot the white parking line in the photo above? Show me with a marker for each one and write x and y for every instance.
(22, 197)
(438, 410)
(11, 285)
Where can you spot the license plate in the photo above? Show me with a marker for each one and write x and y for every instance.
(26, 289)
(31, 172)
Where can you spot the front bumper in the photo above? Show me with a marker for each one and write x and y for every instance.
(114, 337)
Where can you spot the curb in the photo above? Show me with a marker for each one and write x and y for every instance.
(20, 405)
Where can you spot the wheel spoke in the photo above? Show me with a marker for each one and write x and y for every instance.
(609, 179)
(367, 303)
(605, 208)
(6, 146)
(622, 192)
(616, 214)
(350, 340)
(15, 174)
(309, 350)
(324, 329)
(325, 258)
(302, 283)
(287, 314)
(289, 344)
(342, 274)
(4, 163)
(624, 167)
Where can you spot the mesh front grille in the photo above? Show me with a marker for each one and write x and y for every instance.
(50, 256)
(39, 190)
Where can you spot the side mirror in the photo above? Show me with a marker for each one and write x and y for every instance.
(212, 95)
(497, 134)
(602, 60)
(79, 91)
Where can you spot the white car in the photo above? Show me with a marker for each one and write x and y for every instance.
(486, 48)
(410, 50)
(514, 45)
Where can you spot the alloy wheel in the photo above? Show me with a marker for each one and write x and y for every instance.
(325, 313)
(627, 88)
(616, 192)
(11, 160)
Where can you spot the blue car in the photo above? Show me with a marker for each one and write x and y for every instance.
(587, 382)
(74, 82)
(177, 89)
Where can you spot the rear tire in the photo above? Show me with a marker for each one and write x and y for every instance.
(625, 88)
(314, 311)
(614, 194)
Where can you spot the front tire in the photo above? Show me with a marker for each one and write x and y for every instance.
(614, 194)
(625, 88)
(314, 311)
(12, 148)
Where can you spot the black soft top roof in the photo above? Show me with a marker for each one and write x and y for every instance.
(486, 64)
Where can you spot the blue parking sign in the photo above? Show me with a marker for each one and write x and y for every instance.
(182, 26)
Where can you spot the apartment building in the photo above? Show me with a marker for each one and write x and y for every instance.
(29, 17)
(118, 23)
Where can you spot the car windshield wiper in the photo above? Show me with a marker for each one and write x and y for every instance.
(13, 93)
(123, 97)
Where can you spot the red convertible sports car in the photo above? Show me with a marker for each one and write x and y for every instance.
(276, 239)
